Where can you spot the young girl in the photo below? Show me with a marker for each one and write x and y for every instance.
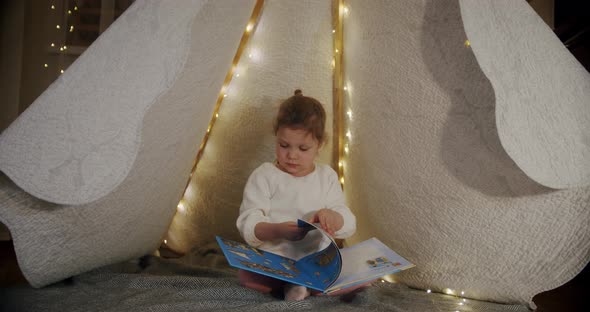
(293, 187)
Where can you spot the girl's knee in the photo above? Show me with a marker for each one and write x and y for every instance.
(256, 286)
(257, 282)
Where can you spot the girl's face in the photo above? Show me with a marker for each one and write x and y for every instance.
(296, 151)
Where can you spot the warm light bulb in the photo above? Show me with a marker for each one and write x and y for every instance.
(181, 207)
(333, 31)
(53, 7)
(254, 55)
(53, 44)
(165, 241)
(75, 8)
(45, 65)
(69, 11)
(57, 26)
(462, 293)
(225, 95)
(61, 71)
(249, 27)
(216, 115)
(336, 50)
(61, 48)
(65, 47)
(428, 291)
(388, 278)
(345, 88)
(72, 28)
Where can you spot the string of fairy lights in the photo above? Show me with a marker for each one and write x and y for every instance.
(342, 133)
(340, 146)
(342, 117)
(253, 54)
(64, 26)
(457, 294)
(234, 72)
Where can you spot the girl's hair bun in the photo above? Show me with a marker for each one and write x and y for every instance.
(298, 92)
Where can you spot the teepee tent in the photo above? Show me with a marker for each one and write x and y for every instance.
(461, 137)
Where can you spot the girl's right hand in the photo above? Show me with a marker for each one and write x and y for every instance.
(266, 231)
(290, 231)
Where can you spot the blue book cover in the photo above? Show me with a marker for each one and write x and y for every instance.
(327, 270)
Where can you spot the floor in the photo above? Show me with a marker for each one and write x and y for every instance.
(10, 273)
(570, 297)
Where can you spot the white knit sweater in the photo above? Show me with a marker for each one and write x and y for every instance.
(272, 195)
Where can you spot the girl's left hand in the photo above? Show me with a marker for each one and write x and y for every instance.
(330, 220)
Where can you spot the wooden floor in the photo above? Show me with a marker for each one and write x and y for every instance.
(571, 297)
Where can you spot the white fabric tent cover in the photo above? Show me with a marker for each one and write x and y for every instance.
(442, 166)
(53, 241)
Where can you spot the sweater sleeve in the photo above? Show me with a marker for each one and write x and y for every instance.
(255, 206)
(335, 201)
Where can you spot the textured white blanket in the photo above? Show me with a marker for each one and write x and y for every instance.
(427, 172)
(78, 141)
(431, 170)
(542, 92)
(54, 241)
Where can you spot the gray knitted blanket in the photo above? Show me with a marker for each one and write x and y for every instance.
(202, 281)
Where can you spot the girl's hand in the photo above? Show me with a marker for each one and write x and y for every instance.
(290, 231)
(330, 220)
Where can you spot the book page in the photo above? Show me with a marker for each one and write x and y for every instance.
(255, 260)
(324, 265)
(317, 270)
(366, 261)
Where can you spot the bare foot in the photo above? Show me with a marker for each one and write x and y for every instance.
(295, 292)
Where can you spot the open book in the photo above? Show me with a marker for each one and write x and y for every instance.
(327, 270)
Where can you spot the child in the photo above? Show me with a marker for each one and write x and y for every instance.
(291, 188)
